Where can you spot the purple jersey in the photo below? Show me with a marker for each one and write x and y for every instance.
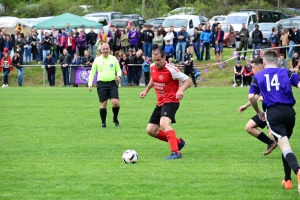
(275, 86)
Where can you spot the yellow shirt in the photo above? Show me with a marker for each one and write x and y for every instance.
(107, 68)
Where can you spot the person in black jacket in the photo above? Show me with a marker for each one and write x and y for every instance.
(147, 38)
(130, 57)
(1, 46)
(291, 37)
(257, 38)
(297, 39)
(17, 62)
(91, 39)
(87, 60)
(196, 42)
(189, 65)
(65, 60)
(137, 68)
(49, 63)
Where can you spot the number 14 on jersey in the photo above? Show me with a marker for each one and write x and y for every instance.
(274, 82)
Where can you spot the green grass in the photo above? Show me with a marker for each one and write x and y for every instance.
(53, 147)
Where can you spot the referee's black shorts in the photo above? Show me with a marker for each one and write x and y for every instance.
(189, 71)
(107, 90)
(166, 110)
(261, 124)
(281, 120)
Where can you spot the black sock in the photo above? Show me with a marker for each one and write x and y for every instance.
(286, 168)
(194, 80)
(116, 112)
(265, 139)
(103, 113)
(292, 160)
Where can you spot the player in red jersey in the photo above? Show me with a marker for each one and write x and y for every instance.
(165, 80)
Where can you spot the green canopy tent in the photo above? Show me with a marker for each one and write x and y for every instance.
(74, 21)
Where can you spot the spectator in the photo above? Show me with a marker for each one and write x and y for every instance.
(291, 37)
(244, 35)
(282, 62)
(146, 66)
(284, 42)
(53, 36)
(188, 39)
(257, 38)
(91, 39)
(81, 43)
(205, 39)
(47, 44)
(170, 61)
(27, 48)
(124, 61)
(197, 73)
(133, 37)
(213, 29)
(114, 39)
(68, 29)
(247, 73)
(181, 45)
(189, 65)
(17, 62)
(125, 41)
(62, 41)
(65, 60)
(49, 63)
(175, 39)
(169, 36)
(275, 39)
(238, 73)
(76, 32)
(219, 39)
(169, 50)
(87, 60)
(158, 40)
(71, 45)
(19, 46)
(34, 46)
(19, 27)
(76, 62)
(294, 63)
(6, 63)
(147, 40)
(131, 69)
(297, 39)
(102, 37)
(140, 44)
(8, 44)
(196, 42)
(137, 72)
(2, 43)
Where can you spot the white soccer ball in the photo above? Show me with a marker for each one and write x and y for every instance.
(130, 156)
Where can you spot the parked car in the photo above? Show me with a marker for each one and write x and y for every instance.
(150, 21)
(123, 23)
(203, 19)
(108, 15)
(290, 22)
(236, 19)
(101, 20)
(220, 18)
(157, 22)
(266, 29)
(229, 35)
(182, 11)
(135, 16)
(266, 15)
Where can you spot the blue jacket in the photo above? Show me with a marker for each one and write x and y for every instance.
(169, 49)
(47, 62)
(184, 34)
(274, 39)
(206, 36)
(77, 62)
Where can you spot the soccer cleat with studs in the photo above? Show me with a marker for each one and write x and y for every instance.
(117, 124)
(181, 144)
(287, 184)
(270, 148)
(174, 155)
(103, 125)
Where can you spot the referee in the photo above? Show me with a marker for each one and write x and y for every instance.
(109, 72)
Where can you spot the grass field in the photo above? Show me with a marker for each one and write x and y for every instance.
(53, 147)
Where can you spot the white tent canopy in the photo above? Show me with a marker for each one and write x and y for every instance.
(11, 22)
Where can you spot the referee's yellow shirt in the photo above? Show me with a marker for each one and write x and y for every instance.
(107, 68)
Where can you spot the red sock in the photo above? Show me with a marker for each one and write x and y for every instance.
(171, 135)
(162, 136)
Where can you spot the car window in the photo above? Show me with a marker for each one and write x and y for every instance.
(254, 18)
(178, 23)
(296, 22)
(274, 16)
(191, 25)
(286, 23)
(116, 16)
(236, 19)
(120, 23)
(265, 15)
(282, 16)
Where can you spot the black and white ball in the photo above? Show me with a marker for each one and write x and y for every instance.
(130, 156)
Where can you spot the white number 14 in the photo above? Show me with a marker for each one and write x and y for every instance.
(273, 82)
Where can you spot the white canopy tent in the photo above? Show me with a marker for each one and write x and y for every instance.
(12, 22)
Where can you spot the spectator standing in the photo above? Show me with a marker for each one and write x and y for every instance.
(284, 40)
(158, 40)
(247, 73)
(102, 37)
(131, 68)
(219, 39)
(68, 29)
(133, 37)
(291, 37)
(213, 29)
(125, 41)
(205, 39)
(76, 32)
(34, 46)
(238, 73)
(181, 45)
(2, 43)
(65, 60)
(295, 63)
(6, 62)
(47, 44)
(8, 44)
(257, 38)
(175, 39)
(124, 61)
(297, 39)
(137, 61)
(244, 36)
(49, 63)
(282, 62)
(189, 65)
(188, 38)
(147, 40)
(275, 39)
(91, 39)
(140, 44)
(17, 62)
(71, 45)
(87, 60)
(146, 67)
(19, 46)
(27, 47)
(169, 36)
(62, 41)
(169, 50)
(54, 35)
(196, 42)
(81, 43)
(76, 62)
(114, 39)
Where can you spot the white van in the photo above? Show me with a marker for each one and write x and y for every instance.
(189, 21)
(236, 19)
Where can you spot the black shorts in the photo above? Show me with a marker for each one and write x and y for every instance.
(259, 122)
(107, 90)
(281, 120)
(166, 110)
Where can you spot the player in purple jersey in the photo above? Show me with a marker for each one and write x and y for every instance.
(275, 85)
(253, 124)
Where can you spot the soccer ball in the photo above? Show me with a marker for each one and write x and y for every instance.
(130, 156)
